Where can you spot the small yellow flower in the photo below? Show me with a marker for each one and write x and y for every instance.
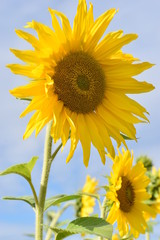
(127, 191)
(81, 82)
(88, 202)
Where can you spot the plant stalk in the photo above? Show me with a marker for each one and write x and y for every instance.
(103, 213)
(44, 182)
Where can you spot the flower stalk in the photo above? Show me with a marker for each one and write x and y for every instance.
(44, 182)
(103, 212)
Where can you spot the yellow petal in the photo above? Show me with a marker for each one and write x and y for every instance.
(56, 26)
(74, 139)
(124, 127)
(126, 103)
(65, 24)
(109, 46)
(84, 138)
(95, 136)
(29, 38)
(129, 85)
(124, 70)
(34, 88)
(28, 56)
(80, 20)
(98, 29)
(26, 70)
(31, 125)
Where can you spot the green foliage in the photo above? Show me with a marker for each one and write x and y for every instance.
(53, 201)
(87, 225)
(147, 162)
(23, 169)
(154, 186)
(28, 199)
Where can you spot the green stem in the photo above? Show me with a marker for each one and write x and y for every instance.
(103, 212)
(40, 203)
(147, 235)
(44, 182)
(103, 209)
(34, 193)
(55, 219)
(55, 152)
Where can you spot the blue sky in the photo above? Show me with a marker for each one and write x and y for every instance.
(134, 16)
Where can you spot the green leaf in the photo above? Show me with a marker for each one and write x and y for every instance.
(59, 199)
(23, 169)
(89, 194)
(62, 223)
(28, 199)
(61, 234)
(87, 225)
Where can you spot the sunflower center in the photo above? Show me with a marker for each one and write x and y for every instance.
(82, 82)
(126, 195)
(79, 82)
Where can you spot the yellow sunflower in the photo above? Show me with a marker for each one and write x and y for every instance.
(80, 81)
(88, 202)
(128, 192)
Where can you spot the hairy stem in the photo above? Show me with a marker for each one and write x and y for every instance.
(103, 212)
(44, 182)
(34, 193)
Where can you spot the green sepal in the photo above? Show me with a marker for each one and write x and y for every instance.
(87, 225)
(126, 137)
(28, 199)
(23, 169)
(25, 99)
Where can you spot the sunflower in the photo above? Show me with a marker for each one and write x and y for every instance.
(80, 81)
(88, 202)
(128, 194)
